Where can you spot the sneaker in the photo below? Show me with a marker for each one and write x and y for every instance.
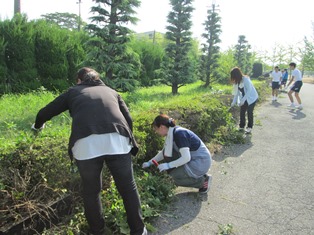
(144, 231)
(206, 185)
(291, 106)
(248, 130)
(300, 107)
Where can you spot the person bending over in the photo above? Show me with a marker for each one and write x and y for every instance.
(101, 133)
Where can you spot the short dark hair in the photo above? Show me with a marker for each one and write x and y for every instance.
(293, 64)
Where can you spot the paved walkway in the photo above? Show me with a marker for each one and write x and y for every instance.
(265, 186)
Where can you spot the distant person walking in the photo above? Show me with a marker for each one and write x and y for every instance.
(284, 78)
(101, 133)
(276, 80)
(296, 77)
(186, 158)
(245, 95)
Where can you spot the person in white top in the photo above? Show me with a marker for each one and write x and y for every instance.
(245, 95)
(276, 79)
(296, 76)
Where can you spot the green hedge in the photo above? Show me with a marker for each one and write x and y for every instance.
(36, 168)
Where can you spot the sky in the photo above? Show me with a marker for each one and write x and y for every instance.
(265, 23)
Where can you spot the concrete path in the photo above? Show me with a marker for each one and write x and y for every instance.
(265, 186)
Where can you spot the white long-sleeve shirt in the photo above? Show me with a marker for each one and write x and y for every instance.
(250, 93)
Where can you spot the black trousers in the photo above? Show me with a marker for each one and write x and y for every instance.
(121, 169)
(245, 108)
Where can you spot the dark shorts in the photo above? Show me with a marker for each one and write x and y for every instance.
(275, 85)
(297, 86)
(283, 82)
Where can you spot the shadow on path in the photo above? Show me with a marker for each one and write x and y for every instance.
(276, 104)
(235, 150)
(297, 114)
(178, 215)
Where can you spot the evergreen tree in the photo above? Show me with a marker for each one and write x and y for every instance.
(36, 53)
(19, 53)
(210, 48)
(3, 68)
(109, 52)
(59, 52)
(177, 66)
(242, 54)
(151, 54)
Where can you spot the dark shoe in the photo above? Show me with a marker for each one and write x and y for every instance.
(206, 185)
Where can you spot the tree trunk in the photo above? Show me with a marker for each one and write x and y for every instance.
(174, 88)
(109, 74)
(207, 82)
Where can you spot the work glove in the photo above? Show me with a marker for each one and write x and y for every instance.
(163, 167)
(37, 129)
(147, 164)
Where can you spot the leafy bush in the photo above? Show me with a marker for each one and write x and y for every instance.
(206, 115)
(19, 55)
(36, 169)
(156, 191)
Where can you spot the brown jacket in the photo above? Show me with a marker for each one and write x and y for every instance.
(94, 108)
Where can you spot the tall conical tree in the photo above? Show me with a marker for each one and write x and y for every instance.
(242, 54)
(109, 52)
(210, 47)
(177, 65)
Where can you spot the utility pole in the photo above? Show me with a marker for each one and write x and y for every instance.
(79, 23)
(17, 6)
(154, 37)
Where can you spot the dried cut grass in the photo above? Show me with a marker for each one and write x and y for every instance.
(308, 80)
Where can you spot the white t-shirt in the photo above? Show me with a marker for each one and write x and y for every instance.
(98, 145)
(297, 75)
(276, 76)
